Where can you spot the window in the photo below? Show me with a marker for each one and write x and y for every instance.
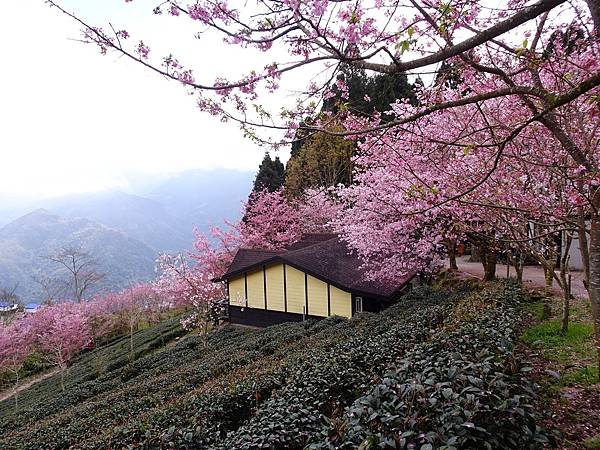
(358, 306)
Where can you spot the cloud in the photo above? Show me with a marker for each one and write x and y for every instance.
(75, 121)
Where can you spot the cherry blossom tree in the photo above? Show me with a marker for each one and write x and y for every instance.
(61, 332)
(274, 221)
(270, 221)
(133, 305)
(384, 36)
(16, 342)
(187, 280)
(522, 113)
(103, 313)
(318, 208)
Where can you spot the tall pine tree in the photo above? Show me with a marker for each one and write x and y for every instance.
(270, 176)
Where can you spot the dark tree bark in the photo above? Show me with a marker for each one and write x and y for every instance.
(594, 6)
(594, 286)
(475, 254)
(488, 259)
(451, 246)
(565, 279)
(549, 279)
(583, 247)
(517, 262)
(518, 265)
(564, 324)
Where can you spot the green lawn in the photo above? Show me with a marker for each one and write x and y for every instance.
(572, 354)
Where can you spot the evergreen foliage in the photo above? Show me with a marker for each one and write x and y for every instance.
(270, 176)
(368, 94)
(323, 160)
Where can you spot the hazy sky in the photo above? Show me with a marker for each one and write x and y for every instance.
(72, 120)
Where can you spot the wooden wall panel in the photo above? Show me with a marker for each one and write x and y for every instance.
(295, 290)
(317, 297)
(237, 291)
(341, 302)
(256, 289)
(274, 276)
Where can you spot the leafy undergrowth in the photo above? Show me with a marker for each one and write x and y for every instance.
(566, 368)
(423, 374)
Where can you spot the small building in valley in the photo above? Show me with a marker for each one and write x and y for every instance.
(8, 307)
(314, 278)
(31, 307)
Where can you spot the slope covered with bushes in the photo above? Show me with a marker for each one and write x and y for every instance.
(95, 364)
(436, 369)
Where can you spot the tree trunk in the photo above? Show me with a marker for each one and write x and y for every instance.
(548, 280)
(594, 286)
(475, 254)
(451, 246)
(583, 247)
(16, 392)
(564, 325)
(519, 263)
(62, 379)
(488, 259)
(565, 279)
(594, 6)
(131, 341)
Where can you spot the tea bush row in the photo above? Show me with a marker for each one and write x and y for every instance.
(155, 392)
(435, 370)
(91, 365)
(463, 390)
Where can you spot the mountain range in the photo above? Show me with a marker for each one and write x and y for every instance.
(123, 232)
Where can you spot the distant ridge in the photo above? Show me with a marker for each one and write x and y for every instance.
(124, 231)
(25, 242)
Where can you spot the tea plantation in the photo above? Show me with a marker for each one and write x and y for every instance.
(435, 371)
(93, 364)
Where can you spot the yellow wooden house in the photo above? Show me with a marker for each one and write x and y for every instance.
(314, 278)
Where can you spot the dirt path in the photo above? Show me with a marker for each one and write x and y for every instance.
(28, 383)
(533, 276)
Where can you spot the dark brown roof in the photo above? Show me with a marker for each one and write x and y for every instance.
(311, 239)
(323, 256)
(247, 257)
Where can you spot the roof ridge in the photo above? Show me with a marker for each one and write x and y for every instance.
(333, 236)
(264, 250)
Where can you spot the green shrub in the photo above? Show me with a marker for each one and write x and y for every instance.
(300, 384)
(461, 390)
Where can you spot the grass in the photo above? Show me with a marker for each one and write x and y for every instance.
(572, 352)
(576, 342)
(593, 443)
(536, 309)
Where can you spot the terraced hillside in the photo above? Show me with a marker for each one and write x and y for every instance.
(94, 365)
(436, 370)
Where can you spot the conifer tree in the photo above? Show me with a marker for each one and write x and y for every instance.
(270, 176)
